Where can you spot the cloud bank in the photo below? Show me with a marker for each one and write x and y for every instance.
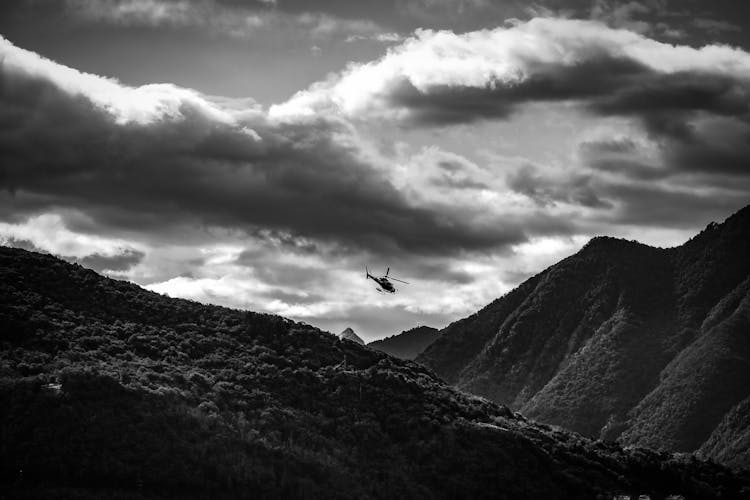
(688, 108)
(439, 77)
(164, 155)
(278, 209)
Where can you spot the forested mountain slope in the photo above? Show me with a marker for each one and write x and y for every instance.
(407, 344)
(622, 341)
(111, 391)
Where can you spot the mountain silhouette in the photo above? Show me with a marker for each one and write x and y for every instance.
(349, 334)
(407, 344)
(111, 391)
(623, 341)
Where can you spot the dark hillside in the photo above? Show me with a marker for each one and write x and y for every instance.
(110, 391)
(730, 441)
(704, 382)
(620, 341)
(465, 338)
(407, 344)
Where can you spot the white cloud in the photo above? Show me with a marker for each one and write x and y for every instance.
(49, 233)
(550, 248)
(227, 290)
(434, 62)
(142, 105)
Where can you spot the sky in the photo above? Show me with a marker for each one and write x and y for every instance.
(260, 154)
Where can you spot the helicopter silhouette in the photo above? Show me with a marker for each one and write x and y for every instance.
(384, 281)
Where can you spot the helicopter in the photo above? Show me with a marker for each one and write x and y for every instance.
(384, 281)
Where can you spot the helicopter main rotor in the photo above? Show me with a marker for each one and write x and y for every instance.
(384, 281)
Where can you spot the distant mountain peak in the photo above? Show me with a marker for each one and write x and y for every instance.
(349, 334)
(407, 344)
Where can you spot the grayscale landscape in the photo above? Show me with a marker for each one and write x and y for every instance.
(418, 249)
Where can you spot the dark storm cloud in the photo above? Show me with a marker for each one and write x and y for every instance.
(394, 15)
(690, 21)
(652, 93)
(621, 157)
(608, 85)
(715, 26)
(281, 241)
(120, 262)
(616, 179)
(688, 142)
(633, 197)
(130, 169)
(265, 22)
(452, 104)
(660, 206)
(693, 22)
(631, 169)
(406, 15)
(546, 191)
(233, 17)
(724, 154)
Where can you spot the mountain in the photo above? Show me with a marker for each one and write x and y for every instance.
(348, 334)
(111, 391)
(623, 341)
(407, 344)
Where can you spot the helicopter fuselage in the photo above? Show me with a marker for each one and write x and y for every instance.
(385, 285)
(384, 281)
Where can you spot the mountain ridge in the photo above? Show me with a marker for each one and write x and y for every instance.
(407, 344)
(587, 342)
(112, 391)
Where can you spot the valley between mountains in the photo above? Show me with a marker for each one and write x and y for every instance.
(111, 391)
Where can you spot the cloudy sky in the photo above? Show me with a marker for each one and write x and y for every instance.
(259, 154)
